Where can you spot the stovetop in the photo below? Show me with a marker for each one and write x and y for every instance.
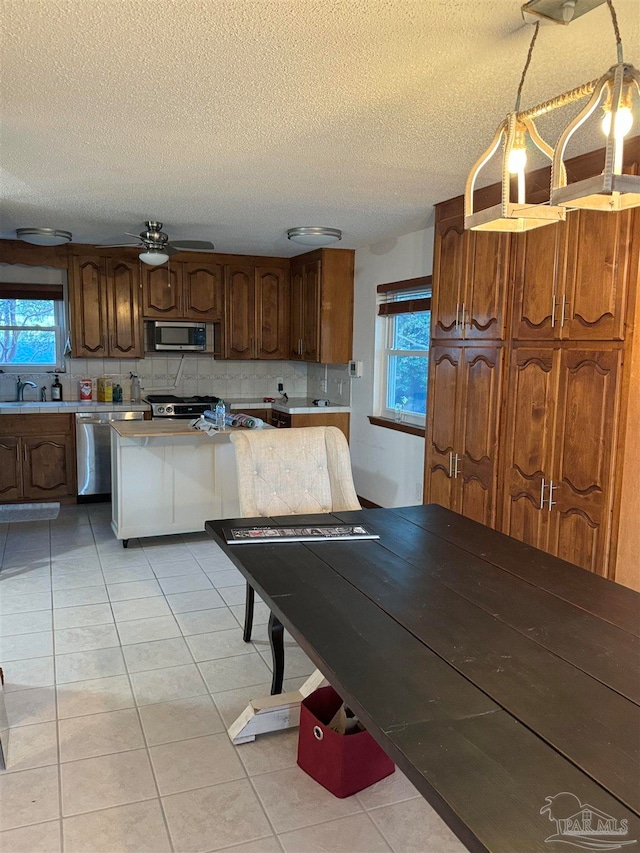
(170, 406)
(171, 399)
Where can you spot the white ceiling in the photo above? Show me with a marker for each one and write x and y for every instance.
(233, 120)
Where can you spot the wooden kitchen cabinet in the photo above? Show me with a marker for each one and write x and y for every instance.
(470, 274)
(257, 312)
(462, 434)
(572, 279)
(559, 453)
(105, 308)
(286, 420)
(322, 306)
(38, 458)
(568, 456)
(162, 292)
(183, 291)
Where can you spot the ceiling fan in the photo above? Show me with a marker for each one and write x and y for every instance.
(157, 249)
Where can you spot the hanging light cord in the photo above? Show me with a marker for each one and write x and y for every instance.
(616, 29)
(527, 64)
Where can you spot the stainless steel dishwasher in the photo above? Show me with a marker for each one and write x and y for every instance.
(93, 450)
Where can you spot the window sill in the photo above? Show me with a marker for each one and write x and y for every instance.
(387, 423)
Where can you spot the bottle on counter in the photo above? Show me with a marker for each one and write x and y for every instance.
(136, 393)
(117, 393)
(221, 411)
(56, 389)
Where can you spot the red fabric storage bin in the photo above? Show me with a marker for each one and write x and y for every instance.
(343, 764)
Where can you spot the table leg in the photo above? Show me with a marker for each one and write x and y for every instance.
(276, 641)
(248, 613)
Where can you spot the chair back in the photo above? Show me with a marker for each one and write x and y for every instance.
(293, 471)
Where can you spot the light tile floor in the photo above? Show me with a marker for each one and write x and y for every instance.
(123, 669)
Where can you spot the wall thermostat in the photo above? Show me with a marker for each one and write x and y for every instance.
(355, 370)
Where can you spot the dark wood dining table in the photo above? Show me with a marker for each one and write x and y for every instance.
(504, 682)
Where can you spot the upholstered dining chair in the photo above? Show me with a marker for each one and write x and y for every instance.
(291, 472)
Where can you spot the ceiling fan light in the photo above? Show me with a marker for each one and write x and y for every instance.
(314, 235)
(43, 236)
(153, 257)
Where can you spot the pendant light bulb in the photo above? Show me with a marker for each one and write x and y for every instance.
(517, 160)
(624, 122)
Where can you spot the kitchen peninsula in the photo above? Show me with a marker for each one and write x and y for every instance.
(169, 478)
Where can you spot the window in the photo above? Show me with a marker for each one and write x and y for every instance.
(32, 327)
(405, 307)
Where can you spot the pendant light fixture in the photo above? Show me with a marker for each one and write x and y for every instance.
(609, 191)
(512, 215)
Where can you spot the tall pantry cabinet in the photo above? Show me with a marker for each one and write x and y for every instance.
(560, 425)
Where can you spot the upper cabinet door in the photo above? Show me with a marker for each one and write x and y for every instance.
(598, 272)
(162, 292)
(272, 313)
(297, 298)
(240, 331)
(539, 277)
(528, 452)
(88, 289)
(448, 280)
(311, 281)
(203, 289)
(477, 444)
(586, 435)
(123, 309)
(482, 309)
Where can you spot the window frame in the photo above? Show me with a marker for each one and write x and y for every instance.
(416, 292)
(55, 294)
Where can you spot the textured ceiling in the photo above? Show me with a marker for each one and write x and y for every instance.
(233, 120)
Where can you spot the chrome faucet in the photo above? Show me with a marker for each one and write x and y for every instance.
(20, 386)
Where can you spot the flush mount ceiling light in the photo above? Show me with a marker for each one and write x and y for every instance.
(153, 257)
(314, 235)
(43, 236)
(609, 191)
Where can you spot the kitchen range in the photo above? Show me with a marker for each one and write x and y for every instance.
(179, 408)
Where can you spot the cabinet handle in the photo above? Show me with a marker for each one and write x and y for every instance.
(24, 448)
(565, 304)
(457, 315)
(462, 320)
(551, 500)
(18, 453)
(553, 314)
(542, 488)
(451, 464)
(456, 470)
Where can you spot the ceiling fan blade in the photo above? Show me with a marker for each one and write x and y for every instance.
(117, 245)
(193, 245)
(137, 236)
(170, 250)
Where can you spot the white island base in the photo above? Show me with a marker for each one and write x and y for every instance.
(167, 478)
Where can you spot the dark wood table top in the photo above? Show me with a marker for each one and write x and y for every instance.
(495, 676)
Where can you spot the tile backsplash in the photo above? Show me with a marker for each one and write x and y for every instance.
(338, 387)
(158, 373)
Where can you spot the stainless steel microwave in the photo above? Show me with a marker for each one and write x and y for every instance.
(179, 336)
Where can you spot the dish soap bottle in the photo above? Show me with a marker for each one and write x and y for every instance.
(220, 413)
(56, 389)
(135, 388)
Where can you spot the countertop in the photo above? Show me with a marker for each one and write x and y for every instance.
(30, 407)
(166, 428)
(293, 406)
